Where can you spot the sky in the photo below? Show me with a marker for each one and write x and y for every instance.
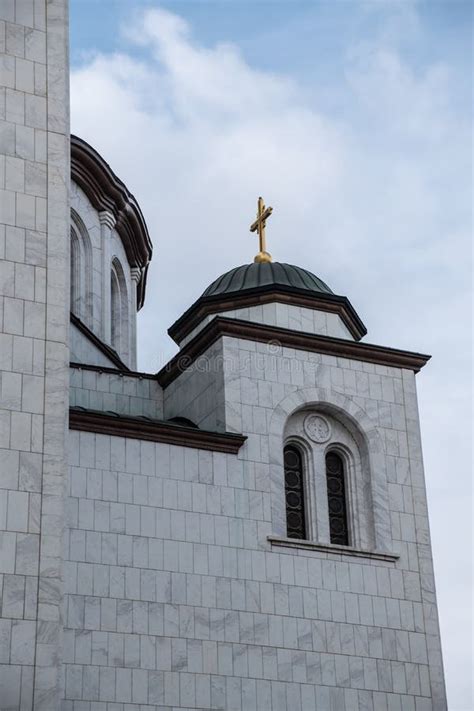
(353, 120)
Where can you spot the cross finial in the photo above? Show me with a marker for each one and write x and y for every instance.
(259, 226)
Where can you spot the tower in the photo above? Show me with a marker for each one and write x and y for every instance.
(334, 546)
(34, 349)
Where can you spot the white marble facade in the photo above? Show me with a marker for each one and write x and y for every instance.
(153, 576)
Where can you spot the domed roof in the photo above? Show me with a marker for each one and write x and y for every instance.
(267, 274)
(263, 283)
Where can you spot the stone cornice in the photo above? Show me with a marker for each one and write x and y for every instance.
(150, 430)
(286, 338)
(331, 303)
(109, 194)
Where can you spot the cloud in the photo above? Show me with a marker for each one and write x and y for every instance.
(200, 128)
(372, 197)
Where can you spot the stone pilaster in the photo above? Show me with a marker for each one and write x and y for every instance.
(107, 224)
(135, 273)
(34, 294)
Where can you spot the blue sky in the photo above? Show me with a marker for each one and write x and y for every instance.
(353, 119)
(306, 39)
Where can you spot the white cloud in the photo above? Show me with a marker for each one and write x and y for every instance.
(376, 202)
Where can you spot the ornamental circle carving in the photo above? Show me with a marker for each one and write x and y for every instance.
(317, 428)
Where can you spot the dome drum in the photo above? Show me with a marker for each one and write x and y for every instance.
(108, 193)
(263, 283)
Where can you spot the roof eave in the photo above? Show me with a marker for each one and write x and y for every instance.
(267, 294)
(246, 330)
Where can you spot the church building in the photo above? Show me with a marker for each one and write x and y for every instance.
(245, 530)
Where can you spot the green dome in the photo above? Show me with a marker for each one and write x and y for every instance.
(260, 275)
(262, 283)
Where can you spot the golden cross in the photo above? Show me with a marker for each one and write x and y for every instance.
(263, 213)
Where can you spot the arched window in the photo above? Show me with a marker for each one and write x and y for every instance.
(116, 315)
(294, 493)
(337, 505)
(76, 272)
(119, 309)
(326, 459)
(80, 270)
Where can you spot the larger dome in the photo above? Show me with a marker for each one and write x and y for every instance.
(260, 275)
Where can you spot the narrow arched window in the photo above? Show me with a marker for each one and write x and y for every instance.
(337, 504)
(116, 316)
(80, 271)
(294, 493)
(76, 274)
(119, 309)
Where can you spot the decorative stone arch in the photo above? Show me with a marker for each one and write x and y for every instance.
(80, 270)
(119, 304)
(366, 435)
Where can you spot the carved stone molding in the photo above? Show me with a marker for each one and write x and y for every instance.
(317, 428)
(136, 273)
(107, 218)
